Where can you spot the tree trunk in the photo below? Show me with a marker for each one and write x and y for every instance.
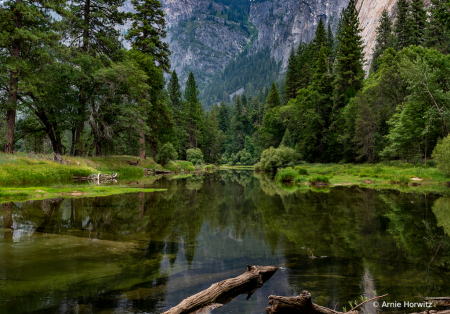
(72, 147)
(142, 145)
(13, 88)
(226, 290)
(301, 304)
(82, 99)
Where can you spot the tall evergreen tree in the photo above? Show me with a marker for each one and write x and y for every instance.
(436, 35)
(385, 38)
(90, 28)
(148, 29)
(273, 99)
(26, 31)
(417, 23)
(223, 117)
(320, 38)
(349, 60)
(212, 138)
(330, 44)
(194, 113)
(175, 96)
(238, 126)
(402, 24)
(291, 77)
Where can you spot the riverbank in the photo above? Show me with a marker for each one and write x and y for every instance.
(23, 169)
(400, 176)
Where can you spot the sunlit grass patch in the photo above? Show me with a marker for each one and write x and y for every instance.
(319, 179)
(286, 175)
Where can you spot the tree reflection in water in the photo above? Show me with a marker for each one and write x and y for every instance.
(148, 251)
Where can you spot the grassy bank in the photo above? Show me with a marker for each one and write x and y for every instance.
(400, 176)
(20, 168)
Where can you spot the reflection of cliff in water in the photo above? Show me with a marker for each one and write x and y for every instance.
(147, 251)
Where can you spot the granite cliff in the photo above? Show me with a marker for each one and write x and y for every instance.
(204, 37)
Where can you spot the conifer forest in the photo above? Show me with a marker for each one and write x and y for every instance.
(69, 84)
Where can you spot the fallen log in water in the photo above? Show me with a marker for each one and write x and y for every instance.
(300, 304)
(223, 292)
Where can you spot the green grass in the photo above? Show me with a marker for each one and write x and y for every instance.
(318, 179)
(302, 171)
(17, 169)
(394, 175)
(286, 175)
(21, 169)
(186, 165)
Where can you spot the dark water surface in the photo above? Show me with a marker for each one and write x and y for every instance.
(146, 252)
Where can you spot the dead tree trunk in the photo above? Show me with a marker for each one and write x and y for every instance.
(226, 290)
(301, 304)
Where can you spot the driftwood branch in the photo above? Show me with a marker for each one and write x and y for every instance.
(381, 296)
(223, 292)
(301, 304)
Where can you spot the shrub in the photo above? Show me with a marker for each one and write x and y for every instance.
(442, 155)
(257, 167)
(224, 160)
(166, 154)
(431, 163)
(300, 180)
(303, 172)
(241, 158)
(195, 156)
(319, 179)
(274, 158)
(286, 175)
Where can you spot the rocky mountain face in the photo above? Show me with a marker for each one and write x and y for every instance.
(203, 38)
(282, 24)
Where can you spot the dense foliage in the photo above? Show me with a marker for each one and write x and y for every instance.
(442, 155)
(79, 92)
(166, 154)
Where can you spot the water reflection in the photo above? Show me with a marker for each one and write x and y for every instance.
(145, 252)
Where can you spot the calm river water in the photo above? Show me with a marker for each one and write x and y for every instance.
(146, 252)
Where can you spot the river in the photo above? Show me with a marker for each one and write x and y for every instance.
(146, 252)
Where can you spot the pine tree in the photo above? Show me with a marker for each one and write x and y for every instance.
(194, 113)
(288, 139)
(320, 38)
(385, 38)
(417, 23)
(175, 96)
(212, 138)
(436, 35)
(223, 117)
(90, 27)
(402, 24)
(27, 32)
(273, 99)
(322, 79)
(147, 30)
(330, 44)
(349, 60)
(291, 77)
(238, 126)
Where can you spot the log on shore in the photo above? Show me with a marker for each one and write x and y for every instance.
(300, 304)
(224, 291)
